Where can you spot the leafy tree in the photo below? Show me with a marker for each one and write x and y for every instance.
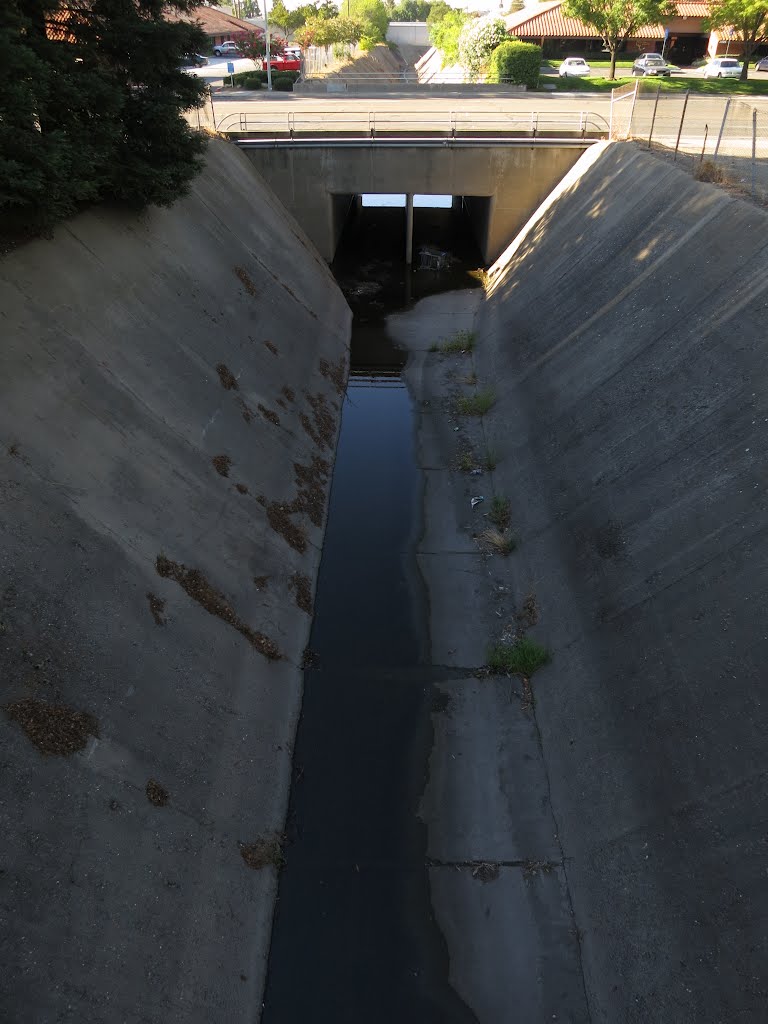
(373, 14)
(279, 14)
(516, 62)
(616, 20)
(328, 32)
(445, 34)
(245, 8)
(91, 103)
(477, 44)
(437, 11)
(411, 10)
(748, 19)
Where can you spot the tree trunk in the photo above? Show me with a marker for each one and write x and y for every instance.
(746, 57)
(612, 72)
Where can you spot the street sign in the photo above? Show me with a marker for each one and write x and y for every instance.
(230, 68)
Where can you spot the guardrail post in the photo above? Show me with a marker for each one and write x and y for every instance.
(372, 123)
(653, 119)
(722, 128)
(682, 118)
(290, 123)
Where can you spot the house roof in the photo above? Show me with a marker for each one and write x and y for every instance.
(547, 19)
(215, 22)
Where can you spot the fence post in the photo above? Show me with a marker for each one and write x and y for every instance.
(653, 119)
(722, 128)
(754, 148)
(632, 111)
(682, 118)
(610, 120)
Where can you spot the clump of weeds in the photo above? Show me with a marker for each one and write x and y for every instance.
(500, 514)
(477, 404)
(459, 343)
(499, 541)
(708, 170)
(523, 657)
(465, 461)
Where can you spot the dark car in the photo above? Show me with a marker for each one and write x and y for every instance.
(650, 64)
(193, 60)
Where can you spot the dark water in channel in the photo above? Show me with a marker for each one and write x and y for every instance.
(354, 939)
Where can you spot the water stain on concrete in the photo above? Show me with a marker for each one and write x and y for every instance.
(156, 607)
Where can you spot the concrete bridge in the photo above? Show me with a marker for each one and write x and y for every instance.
(499, 180)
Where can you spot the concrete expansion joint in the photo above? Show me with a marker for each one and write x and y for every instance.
(530, 865)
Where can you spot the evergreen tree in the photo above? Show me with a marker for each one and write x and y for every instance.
(91, 103)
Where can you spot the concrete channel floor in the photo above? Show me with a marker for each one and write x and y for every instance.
(497, 877)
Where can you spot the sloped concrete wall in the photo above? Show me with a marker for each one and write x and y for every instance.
(625, 335)
(169, 602)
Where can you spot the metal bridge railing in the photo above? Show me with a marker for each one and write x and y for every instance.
(455, 124)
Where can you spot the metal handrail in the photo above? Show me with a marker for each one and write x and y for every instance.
(414, 141)
(370, 123)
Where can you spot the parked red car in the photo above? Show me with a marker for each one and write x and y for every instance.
(282, 63)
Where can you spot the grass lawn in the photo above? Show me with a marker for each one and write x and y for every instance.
(709, 86)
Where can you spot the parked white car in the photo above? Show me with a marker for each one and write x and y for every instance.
(574, 67)
(722, 67)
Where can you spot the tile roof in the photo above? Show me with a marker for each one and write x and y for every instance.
(547, 19)
(216, 23)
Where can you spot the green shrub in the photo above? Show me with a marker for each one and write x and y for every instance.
(283, 82)
(516, 62)
(367, 43)
(247, 80)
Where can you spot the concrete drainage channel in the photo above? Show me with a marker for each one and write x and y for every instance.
(423, 879)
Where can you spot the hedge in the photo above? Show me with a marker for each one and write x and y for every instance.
(247, 80)
(515, 62)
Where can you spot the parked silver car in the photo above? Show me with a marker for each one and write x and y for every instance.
(762, 64)
(651, 64)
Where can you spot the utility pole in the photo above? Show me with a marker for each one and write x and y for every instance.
(266, 42)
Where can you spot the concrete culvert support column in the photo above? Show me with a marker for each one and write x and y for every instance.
(409, 229)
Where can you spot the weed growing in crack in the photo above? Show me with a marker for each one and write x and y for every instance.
(458, 344)
(490, 459)
(477, 404)
(523, 657)
(500, 514)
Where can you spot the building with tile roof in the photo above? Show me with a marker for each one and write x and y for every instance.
(218, 25)
(559, 35)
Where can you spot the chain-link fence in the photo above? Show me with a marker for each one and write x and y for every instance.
(322, 58)
(717, 138)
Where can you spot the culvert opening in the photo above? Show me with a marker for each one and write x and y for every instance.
(370, 263)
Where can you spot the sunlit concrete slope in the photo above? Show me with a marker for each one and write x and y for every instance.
(625, 336)
(169, 398)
